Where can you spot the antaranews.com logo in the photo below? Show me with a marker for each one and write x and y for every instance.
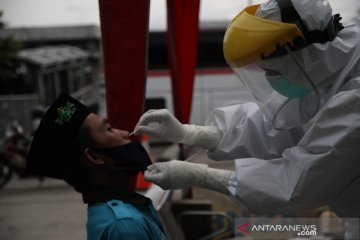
(299, 229)
(285, 228)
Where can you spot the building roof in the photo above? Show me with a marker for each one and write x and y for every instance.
(51, 33)
(29, 34)
(52, 55)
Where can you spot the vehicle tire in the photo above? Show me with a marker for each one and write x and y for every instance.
(5, 171)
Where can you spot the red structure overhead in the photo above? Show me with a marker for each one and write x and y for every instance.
(182, 36)
(124, 29)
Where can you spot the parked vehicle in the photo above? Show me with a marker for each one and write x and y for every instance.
(13, 154)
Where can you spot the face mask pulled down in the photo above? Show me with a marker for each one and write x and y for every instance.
(130, 158)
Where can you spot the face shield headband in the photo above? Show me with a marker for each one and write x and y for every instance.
(249, 38)
(290, 15)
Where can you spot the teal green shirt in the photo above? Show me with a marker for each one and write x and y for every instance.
(118, 220)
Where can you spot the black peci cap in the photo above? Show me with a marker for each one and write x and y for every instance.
(52, 150)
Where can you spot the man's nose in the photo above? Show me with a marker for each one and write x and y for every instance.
(124, 134)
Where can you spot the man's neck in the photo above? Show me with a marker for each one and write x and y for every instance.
(113, 180)
(101, 194)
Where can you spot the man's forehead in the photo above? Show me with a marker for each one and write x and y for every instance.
(94, 120)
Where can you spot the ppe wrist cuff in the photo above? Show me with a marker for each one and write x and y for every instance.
(207, 137)
(217, 180)
(190, 134)
(198, 174)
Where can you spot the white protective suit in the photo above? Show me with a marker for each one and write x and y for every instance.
(315, 164)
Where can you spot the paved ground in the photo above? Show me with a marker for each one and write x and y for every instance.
(54, 211)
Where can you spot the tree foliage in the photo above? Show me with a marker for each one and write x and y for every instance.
(9, 49)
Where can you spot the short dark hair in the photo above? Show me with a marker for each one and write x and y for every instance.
(78, 174)
(84, 138)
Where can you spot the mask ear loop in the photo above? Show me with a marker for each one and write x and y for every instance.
(312, 84)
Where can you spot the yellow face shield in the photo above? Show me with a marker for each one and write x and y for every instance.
(249, 38)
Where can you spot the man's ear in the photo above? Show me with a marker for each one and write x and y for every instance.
(93, 157)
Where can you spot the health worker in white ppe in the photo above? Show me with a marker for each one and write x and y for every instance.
(297, 145)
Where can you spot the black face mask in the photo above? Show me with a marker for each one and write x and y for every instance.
(128, 158)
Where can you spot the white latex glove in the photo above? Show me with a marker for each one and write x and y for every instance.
(161, 123)
(179, 174)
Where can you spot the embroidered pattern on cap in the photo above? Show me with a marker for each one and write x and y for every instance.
(65, 113)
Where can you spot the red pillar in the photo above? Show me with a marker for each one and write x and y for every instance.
(182, 35)
(124, 29)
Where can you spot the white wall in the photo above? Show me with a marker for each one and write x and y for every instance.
(210, 91)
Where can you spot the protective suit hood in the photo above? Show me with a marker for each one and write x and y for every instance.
(316, 14)
(320, 61)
